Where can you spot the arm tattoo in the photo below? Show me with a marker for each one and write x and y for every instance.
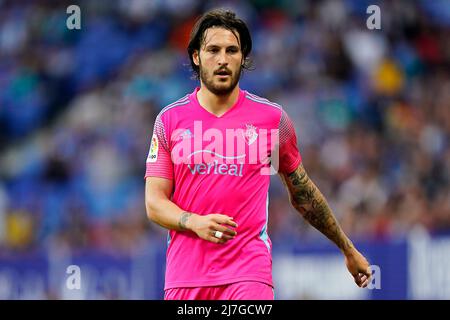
(309, 201)
(183, 219)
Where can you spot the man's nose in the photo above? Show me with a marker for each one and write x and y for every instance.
(222, 58)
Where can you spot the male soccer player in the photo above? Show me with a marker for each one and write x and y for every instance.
(207, 179)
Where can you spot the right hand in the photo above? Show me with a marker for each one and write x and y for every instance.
(206, 226)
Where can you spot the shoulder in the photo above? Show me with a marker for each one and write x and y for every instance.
(262, 102)
(266, 107)
(174, 107)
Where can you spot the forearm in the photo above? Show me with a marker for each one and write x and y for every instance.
(307, 199)
(167, 214)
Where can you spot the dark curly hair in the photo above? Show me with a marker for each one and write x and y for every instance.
(219, 18)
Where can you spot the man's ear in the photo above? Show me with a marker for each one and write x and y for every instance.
(196, 58)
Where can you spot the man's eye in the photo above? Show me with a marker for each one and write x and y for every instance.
(213, 50)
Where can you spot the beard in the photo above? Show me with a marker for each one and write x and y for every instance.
(219, 87)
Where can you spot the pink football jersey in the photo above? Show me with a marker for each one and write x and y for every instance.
(222, 164)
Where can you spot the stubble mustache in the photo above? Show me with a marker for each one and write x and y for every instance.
(223, 71)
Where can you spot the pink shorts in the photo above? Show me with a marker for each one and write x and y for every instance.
(243, 290)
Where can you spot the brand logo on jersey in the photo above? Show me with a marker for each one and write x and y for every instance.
(250, 135)
(153, 153)
(185, 135)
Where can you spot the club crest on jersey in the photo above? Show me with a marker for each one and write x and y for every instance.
(250, 134)
(153, 153)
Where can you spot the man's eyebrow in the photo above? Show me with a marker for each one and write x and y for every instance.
(218, 46)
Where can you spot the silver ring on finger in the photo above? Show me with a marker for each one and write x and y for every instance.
(218, 234)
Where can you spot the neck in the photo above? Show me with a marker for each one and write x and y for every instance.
(217, 104)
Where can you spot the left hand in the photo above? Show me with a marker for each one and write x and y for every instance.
(359, 267)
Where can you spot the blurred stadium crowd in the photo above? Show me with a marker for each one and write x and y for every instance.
(371, 109)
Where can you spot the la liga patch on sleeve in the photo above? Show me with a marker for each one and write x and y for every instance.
(153, 153)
